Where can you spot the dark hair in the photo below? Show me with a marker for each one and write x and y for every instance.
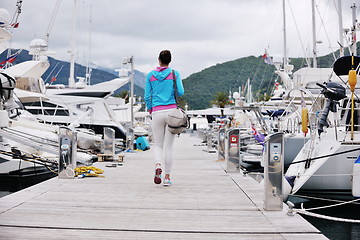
(165, 57)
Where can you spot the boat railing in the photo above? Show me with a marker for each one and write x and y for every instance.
(37, 142)
(293, 125)
(345, 116)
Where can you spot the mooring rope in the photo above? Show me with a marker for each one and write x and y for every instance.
(328, 206)
(328, 155)
(319, 198)
(307, 212)
(327, 217)
(32, 158)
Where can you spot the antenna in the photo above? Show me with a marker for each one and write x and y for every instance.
(52, 20)
(72, 51)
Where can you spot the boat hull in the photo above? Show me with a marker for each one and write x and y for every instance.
(23, 178)
(330, 172)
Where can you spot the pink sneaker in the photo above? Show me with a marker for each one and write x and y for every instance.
(157, 178)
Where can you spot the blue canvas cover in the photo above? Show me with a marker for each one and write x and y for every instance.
(142, 143)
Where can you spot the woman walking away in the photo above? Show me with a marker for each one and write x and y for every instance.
(160, 101)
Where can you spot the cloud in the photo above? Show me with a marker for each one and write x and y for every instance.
(200, 33)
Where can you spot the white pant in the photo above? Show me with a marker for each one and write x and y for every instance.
(163, 139)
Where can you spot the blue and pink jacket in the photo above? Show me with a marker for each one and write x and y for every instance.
(159, 89)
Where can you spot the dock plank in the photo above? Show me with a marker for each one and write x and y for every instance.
(204, 203)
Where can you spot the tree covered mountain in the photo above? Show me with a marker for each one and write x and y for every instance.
(201, 87)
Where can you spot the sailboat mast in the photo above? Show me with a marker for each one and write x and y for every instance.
(353, 30)
(341, 29)
(88, 67)
(314, 35)
(249, 90)
(72, 51)
(284, 31)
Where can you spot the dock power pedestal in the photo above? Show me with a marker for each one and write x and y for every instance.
(67, 152)
(221, 144)
(273, 172)
(232, 150)
(109, 141)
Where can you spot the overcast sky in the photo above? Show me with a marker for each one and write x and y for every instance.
(200, 33)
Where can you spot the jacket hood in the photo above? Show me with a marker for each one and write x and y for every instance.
(161, 73)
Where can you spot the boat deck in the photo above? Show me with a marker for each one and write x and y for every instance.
(204, 202)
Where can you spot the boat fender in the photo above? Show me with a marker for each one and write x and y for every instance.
(304, 120)
(352, 80)
(356, 178)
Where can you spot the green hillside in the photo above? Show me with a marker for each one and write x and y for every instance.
(201, 87)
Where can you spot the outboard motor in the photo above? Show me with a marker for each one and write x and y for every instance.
(333, 93)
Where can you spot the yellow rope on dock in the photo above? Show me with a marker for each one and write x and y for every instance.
(89, 171)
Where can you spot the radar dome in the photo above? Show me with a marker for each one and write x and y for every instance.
(123, 72)
(4, 17)
(236, 95)
(38, 45)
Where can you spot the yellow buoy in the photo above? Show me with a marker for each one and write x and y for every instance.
(304, 120)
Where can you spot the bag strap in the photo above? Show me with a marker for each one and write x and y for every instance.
(175, 88)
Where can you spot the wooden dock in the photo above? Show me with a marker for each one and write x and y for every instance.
(204, 202)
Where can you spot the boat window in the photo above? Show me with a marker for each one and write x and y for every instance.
(28, 84)
(312, 85)
(44, 104)
(59, 112)
(87, 94)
